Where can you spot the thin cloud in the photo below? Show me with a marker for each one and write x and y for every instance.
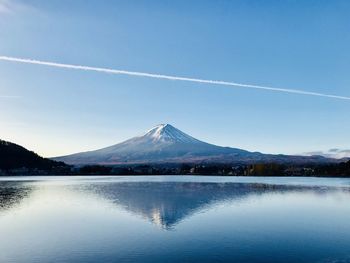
(9, 97)
(170, 77)
(10, 7)
(7, 6)
(8, 124)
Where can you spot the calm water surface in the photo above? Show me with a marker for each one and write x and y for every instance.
(174, 219)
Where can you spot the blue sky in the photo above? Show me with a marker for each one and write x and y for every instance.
(285, 44)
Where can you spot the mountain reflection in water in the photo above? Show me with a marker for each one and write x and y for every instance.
(168, 203)
(163, 203)
(127, 219)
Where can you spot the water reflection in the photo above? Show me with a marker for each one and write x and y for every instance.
(168, 203)
(163, 203)
(95, 220)
(12, 194)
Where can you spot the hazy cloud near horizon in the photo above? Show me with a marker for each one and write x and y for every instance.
(331, 153)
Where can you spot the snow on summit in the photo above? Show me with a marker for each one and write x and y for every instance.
(167, 132)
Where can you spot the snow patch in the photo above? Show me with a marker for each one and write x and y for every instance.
(168, 133)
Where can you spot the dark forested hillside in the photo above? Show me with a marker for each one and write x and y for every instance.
(13, 156)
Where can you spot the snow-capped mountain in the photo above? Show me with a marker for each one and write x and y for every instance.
(167, 144)
(332, 153)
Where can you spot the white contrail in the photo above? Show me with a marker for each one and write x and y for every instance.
(159, 76)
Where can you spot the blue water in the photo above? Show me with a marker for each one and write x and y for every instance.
(174, 219)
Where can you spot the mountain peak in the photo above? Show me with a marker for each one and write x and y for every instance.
(168, 133)
(162, 126)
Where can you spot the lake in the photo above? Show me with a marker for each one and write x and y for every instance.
(174, 219)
